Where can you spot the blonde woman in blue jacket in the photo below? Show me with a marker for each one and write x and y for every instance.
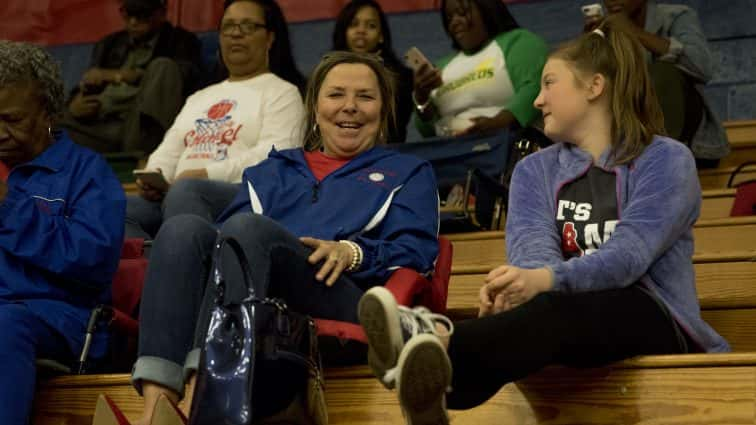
(319, 226)
(599, 246)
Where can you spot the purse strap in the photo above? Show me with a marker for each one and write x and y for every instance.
(218, 276)
(737, 171)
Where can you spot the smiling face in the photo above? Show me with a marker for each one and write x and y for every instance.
(244, 40)
(564, 101)
(465, 24)
(24, 124)
(364, 32)
(348, 111)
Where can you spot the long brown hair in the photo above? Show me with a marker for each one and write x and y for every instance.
(636, 113)
(312, 139)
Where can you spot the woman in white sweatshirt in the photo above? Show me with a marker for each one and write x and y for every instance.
(228, 126)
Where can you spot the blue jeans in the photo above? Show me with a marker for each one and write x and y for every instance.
(175, 301)
(205, 198)
(24, 338)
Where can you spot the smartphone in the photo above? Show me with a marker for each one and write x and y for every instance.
(592, 10)
(416, 59)
(152, 178)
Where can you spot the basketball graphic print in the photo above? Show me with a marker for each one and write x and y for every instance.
(214, 133)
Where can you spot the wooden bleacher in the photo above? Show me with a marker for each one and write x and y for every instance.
(674, 389)
(664, 389)
(724, 239)
(742, 137)
(716, 203)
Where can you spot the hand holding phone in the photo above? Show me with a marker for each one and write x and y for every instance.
(593, 15)
(594, 10)
(154, 179)
(416, 59)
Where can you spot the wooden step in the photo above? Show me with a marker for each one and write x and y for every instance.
(716, 203)
(717, 178)
(726, 293)
(725, 237)
(674, 389)
(742, 138)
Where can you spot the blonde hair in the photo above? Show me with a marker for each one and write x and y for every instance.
(621, 59)
(312, 139)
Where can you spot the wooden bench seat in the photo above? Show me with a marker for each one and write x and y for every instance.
(742, 138)
(726, 292)
(725, 236)
(675, 389)
(716, 203)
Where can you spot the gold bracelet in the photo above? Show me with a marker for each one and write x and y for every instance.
(356, 255)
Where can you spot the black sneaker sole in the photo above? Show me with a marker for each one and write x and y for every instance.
(424, 375)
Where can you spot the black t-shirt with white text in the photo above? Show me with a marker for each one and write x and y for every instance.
(587, 212)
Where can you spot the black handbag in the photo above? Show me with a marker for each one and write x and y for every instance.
(259, 363)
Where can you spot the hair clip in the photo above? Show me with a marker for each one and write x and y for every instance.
(599, 32)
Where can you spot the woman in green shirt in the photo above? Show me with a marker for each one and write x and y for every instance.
(491, 80)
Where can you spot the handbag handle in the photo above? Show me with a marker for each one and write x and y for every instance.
(737, 171)
(218, 276)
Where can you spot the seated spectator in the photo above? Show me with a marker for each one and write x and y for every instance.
(136, 83)
(61, 209)
(362, 27)
(228, 126)
(318, 225)
(594, 275)
(680, 64)
(490, 82)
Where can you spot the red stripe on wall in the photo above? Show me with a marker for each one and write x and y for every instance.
(53, 22)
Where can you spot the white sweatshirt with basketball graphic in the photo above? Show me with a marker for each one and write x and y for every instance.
(230, 126)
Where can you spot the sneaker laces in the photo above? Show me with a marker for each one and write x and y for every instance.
(415, 321)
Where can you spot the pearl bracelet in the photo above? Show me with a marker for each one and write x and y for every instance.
(356, 255)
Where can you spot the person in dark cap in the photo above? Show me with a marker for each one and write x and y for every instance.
(136, 84)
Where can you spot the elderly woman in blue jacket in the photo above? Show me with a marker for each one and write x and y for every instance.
(61, 229)
(599, 243)
(319, 225)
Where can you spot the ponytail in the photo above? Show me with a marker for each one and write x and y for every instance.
(636, 114)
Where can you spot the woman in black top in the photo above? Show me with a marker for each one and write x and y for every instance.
(362, 27)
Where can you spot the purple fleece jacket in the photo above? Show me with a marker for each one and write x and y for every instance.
(658, 200)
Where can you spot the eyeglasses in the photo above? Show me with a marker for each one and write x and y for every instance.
(244, 27)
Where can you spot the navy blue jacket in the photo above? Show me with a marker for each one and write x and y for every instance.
(383, 200)
(61, 231)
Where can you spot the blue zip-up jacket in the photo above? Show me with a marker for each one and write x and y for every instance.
(383, 200)
(658, 201)
(61, 231)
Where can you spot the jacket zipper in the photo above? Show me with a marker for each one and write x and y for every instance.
(315, 190)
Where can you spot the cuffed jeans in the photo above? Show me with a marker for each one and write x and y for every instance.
(175, 301)
(201, 197)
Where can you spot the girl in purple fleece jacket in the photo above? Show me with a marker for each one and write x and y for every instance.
(599, 245)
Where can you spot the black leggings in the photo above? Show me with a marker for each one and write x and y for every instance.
(579, 330)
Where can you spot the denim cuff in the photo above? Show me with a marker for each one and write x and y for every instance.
(160, 371)
(192, 363)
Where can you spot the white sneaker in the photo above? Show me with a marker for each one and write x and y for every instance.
(388, 326)
(423, 378)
